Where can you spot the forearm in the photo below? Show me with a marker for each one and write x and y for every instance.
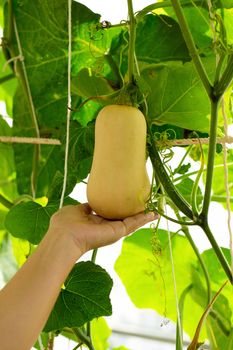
(27, 300)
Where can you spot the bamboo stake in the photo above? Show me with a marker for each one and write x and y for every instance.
(30, 140)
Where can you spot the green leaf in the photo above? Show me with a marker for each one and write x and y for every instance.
(183, 169)
(100, 333)
(201, 33)
(46, 61)
(228, 25)
(84, 297)
(175, 100)
(7, 165)
(3, 212)
(230, 341)
(159, 39)
(44, 338)
(29, 220)
(21, 250)
(8, 265)
(88, 83)
(224, 3)
(81, 147)
(145, 269)
(8, 87)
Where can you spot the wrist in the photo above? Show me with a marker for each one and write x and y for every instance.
(62, 244)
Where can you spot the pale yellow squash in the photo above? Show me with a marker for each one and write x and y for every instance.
(118, 185)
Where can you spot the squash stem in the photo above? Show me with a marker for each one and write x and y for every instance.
(5, 202)
(218, 251)
(132, 39)
(198, 255)
(211, 156)
(163, 4)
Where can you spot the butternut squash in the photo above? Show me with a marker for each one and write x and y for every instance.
(118, 184)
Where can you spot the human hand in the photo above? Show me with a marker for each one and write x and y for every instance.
(90, 231)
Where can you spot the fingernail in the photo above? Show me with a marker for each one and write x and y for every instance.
(150, 215)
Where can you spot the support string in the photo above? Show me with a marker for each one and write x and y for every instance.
(68, 103)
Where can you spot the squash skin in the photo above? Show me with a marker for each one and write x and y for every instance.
(118, 184)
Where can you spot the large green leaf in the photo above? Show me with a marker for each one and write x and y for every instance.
(88, 84)
(144, 267)
(100, 333)
(84, 297)
(42, 29)
(177, 96)
(81, 147)
(159, 39)
(228, 25)
(198, 21)
(30, 220)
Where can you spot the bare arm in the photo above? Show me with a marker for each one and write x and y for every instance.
(27, 300)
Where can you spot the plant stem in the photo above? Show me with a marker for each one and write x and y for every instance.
(10, 25)
(78, 346)
(221, 257)
(93, 259)
(6, 78)
(163, 4)
(210, 161)
(199, 257)
(225, 80)
(5, 202)
(132, 39)
(193, 52)
(179, 222)
(83, 337)
(50, 344)
(114, 69)
(94, 254)
(165, 180)
(182, 161)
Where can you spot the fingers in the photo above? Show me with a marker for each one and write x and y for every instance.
(130, 224)
(134, 222)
